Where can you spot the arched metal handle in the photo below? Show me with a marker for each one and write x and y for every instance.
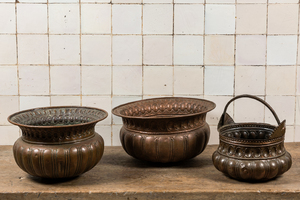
(252, 97)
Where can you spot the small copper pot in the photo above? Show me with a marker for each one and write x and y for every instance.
(251, 151)
(58, 142)
(164, 130)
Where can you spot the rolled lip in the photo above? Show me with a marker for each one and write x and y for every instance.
(213, 105)
(51, 107)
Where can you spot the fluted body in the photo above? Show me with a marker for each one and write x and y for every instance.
(246, 160)
(164, 129)
(58, 161)
(251, 151)
(58, 142)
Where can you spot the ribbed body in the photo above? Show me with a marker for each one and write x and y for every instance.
(251, 151)
(58, 142)
(252, 162)
(255, 170)
(168, 129)
(165, 147)
(58, 161)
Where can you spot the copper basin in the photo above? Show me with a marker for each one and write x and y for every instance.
(169, 129)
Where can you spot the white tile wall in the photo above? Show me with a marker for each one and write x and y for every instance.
(219, 19)
(103, 53)
(8, 105)
(251, 18)
(157, 50)
(290, 134)
(8, 48)
(283, 18)
(188, 80)
(65, 80)
(250, 80)
(32, 49)
(126, 19)
(188, 50)
(103, 102)
(96, 49)
(188, 1)
(27, 102)
(219, 49)
(32, 18)
(213, 117)
(9, 80)
(282, 50)
(250, 49)
(158, 80)
(64, 18)
(127, 50)
(283, 84)
(64, 49)
(253, 112)
(188, 19)
(96, 18)
(157, 18)
(284, 107)
(34, 80)
(96, 80)
(127, 80)
(219, 80)
(65, 100)
(7, 18)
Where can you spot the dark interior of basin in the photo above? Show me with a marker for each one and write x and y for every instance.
(55, 122)
(57, 116)
(164, 107)
(249, 132)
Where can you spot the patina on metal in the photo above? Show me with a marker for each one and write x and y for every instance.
(169, 129)
(58, 142)
(251, 151)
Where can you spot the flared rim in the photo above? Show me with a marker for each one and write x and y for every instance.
(9, 118)
(117, 110)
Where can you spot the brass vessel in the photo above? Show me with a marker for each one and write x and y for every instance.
(169, 129)
(251, 151)
(58, 142)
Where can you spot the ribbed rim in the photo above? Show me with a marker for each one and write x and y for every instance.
(116, 111)
(56, 107)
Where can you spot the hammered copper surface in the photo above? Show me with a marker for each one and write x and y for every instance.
(58, 142)
(164, 130)
(251, 151)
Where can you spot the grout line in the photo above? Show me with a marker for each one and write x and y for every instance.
(203, 46)
(48, 36)
(152, 65)
(236, 3)
(136, 3)
(142, 33)
(266, 59)
(17, 59)
(111, 71)
(234, 60)
(129, 95)
(80, 51)
(173, 50)
(17, 49)
(296, 79)
(151, 34)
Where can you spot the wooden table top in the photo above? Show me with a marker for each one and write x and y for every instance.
(119, 176)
